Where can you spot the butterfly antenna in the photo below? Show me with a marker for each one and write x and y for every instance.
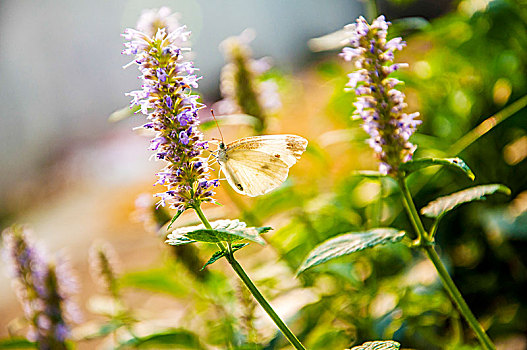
(214, 117)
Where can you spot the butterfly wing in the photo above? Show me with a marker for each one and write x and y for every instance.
(287, 148)
(255, 175)
(256, 165)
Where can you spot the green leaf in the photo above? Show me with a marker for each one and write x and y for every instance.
(456, 163)
(17, 343)
(156, 280)
(222, 231)
(215, 257)
(407, 25)
(219, 254)
(178, 214)
(378, 345)
(507, 223)
(172, 339)
(104, 330)
(444, 204)
(179, 240)
(123, 113)
(349, 243)
(372, 174)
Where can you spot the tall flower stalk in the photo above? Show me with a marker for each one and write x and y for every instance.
(381, 107)
(378, 103)
(104, 267)
(241, 83)
(166, 99)
(44, 289)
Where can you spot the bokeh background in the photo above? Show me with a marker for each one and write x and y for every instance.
(74, 177)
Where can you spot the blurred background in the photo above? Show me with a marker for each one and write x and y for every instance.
(74, 177)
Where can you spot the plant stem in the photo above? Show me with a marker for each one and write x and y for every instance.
(411, 210)
(264, 303)
(455, 294)
(252, 288)
(426, 243)
(489, 123)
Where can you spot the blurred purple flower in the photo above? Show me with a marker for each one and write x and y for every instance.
(167, 101)
(378, 103)
(44, 289)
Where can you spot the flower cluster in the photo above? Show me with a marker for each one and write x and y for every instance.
(378, 103)
(241, 86)
(43, 288)
(166, 99)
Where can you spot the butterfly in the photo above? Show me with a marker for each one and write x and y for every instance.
(256, 165)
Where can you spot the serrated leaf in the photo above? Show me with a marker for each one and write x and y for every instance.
(179, 240)
(456, 163)
(219, 254)
(215, 257)
(222, 231)
(178, 214)
(349, 243)
(123, 113)
(378, 345)
(444, 204)
(17, 343)
(173, 339)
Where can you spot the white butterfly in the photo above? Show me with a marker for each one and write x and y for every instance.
(256, 165)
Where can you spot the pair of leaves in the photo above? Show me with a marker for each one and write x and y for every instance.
(378, 345)
(222, 231)
(442, 205)
(349, 243)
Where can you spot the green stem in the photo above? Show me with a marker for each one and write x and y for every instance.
(487, 125)
(411, 210)
(455, 294)
(264, 304)
(252, 288)
(426, 243)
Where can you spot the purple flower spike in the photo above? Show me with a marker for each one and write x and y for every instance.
(171, 109)
(378, 103)
(43, 288)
